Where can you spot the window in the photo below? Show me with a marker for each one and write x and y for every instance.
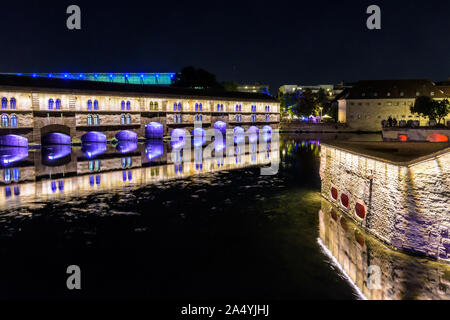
(89, 104)
(237, 117)
(5, 121)
(50, 104)
(122, 105)
(14, 121)
(89, 120)
(221, 107)
(175, 118)
(156, 106)
(268, 108)
(363, 94)
(218, 107)
(151, 105)
(96, 120)
(179, 118)
(179, 106)
(58, 104)
(175, 106)
(389, 103)
(375, 94)
(200, 107)
(16, 174)
(196, 107)
(128, 119)
(4, 103)
(7, 174)
(128, 105)
(237, 107)
(122, 119)
(12, 103)
(95, 105)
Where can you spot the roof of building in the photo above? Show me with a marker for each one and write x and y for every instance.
(394, 89)
(40, 83)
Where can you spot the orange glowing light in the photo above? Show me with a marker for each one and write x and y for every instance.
(437, 138)
(402, 137)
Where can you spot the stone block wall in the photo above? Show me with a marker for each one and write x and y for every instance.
(407, 206)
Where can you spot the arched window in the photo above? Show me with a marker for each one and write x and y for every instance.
(156, 106)
(179, 106)
(122, 119)
(237, 117)
(96, 120)
(151, 105)
(128, 105)
(89, 120)
(237, 107)
(175, 118)
(179, 118)
(14, 121)
(221, 107)
(4, 103)
(240, 108)
(268, 108)
(58, 104)
(16, 174)
(201, 117)
(50, 104)
(218, 107)
(5, 121)
(8, 175)
(174, 106)
(200, 107)
(95, 105)
(128, 119)
(89, 104)
(122, 105)
(196, 107)
(12, 103)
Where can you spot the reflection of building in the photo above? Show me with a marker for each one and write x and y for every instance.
(378, 271)
(397, 191)
(253, 88)
(38, 107)
(62, 171)
(364, 106)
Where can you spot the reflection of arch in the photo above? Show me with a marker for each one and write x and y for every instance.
(56, 155)
(10, 155)
(93, 149)
(126, 146)
(154, 130)
(126, 135)
(154, 149)
(267, 133)
(239, 135)
(178, 138)
(221, 126)
(93, 136)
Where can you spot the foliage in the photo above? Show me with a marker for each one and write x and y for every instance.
(190, 77)
(307, 104)
(430, 108)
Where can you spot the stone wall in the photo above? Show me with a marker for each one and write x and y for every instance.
(407, 206)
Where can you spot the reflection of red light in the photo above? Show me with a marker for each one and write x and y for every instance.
(344, 200)
(402, 137)
(334, 193)
(360, 210)
(437, 138)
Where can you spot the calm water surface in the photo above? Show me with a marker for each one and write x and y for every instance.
(142, 225)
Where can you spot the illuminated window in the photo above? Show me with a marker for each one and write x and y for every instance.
(179, 106)
(7, 175)
(16, 174)
(13, 120)
(96, 119)
(218, 107)
(58, 104)
(417, 93)
(122, 119)
(5, 121)
(89, 104)
(200, 107)
(156, 105)
(89, 120)
(122, 105)
(196, 107)
(95, 105)
(151, 105)
(432, 93)
(128, 105)
(50, 104)
(12, 103)
(128, 119)
(4, 103)
(175, 106)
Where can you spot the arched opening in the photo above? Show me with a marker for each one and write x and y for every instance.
(154, 130)
(93, 136)
(253, 132)
(126, 135)
(239, 135)
(221, 126)
(56, 138)
(13, 140)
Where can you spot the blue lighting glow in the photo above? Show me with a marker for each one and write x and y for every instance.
(50, 75)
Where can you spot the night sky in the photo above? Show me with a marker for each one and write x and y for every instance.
(274, 42)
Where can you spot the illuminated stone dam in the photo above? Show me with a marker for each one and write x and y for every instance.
(400, 192)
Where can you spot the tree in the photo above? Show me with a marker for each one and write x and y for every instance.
(190, 77)
(430, 108)
(307, 104)
(229, 85)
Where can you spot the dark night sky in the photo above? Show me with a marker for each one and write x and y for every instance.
(278, 42)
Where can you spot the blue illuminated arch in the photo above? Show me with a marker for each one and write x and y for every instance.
(56, 138)
(154, 130)
(253, 134)
(93, 136)
(126, 135)
(13, 140)
(221, 126)
(126, 146)
(239, 135)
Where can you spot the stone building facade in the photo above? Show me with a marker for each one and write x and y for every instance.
(33, 107)
(405, 204)
(367, 103)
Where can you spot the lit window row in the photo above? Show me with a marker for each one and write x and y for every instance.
(177, 106)
(198, 107)
(89, 104)
(54, 104)
(125, 119)
(238, 107)
(125, 105)
(238, 117)
(219, 107)
(198, 117)
(177, 118)
(93, 120)
(12, 103)
(153, 105)
(11, 174)
(9, 122)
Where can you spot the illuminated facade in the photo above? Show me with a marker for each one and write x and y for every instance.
(368, 103)
(34, 108)
(401, 199)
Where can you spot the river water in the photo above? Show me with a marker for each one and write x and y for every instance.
(141, 224)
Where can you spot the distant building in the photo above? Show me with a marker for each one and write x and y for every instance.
(368, 102)
(161, 79)
(253, 88)
(332, 90)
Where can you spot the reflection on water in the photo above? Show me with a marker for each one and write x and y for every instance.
(61, 170)
(378, 271)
